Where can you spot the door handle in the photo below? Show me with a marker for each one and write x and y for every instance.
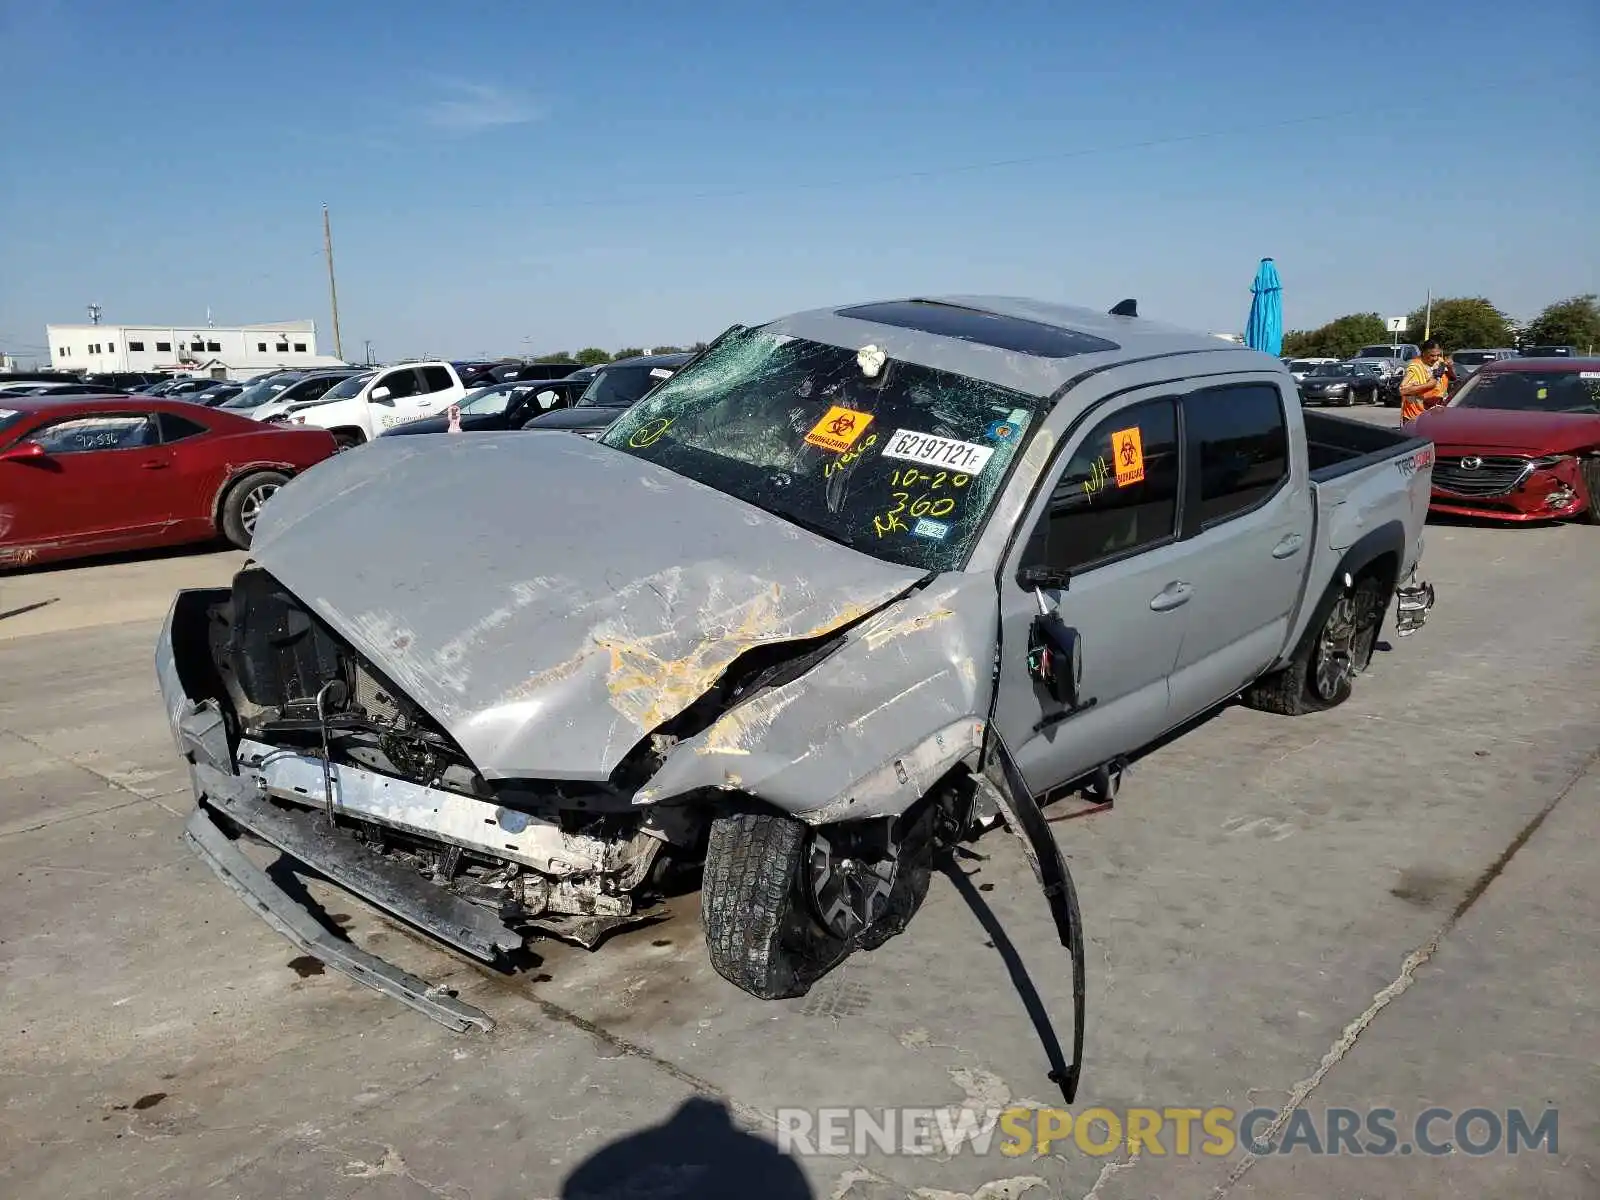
(154, 464)
(1289, 545)
(1170, 597)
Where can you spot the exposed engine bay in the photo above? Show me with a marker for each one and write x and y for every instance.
(324, 730)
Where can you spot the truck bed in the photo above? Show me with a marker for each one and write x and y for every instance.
(1364, 478)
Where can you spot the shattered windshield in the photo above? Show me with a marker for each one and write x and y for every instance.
(896, 460)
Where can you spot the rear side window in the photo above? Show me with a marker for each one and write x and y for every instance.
(1240, 440)
(175, 428)
(436, 379)
(1118, 494)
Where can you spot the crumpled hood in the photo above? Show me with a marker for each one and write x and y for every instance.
(1506, 429)
(547, 600)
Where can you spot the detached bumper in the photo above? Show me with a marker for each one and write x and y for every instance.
(1413, 603)
(231, 805)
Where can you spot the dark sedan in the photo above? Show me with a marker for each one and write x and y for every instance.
(501, 406)
(1340, 383)
(615, 388)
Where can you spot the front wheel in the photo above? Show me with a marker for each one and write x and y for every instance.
(243, 504)
(1589, 470)
(347, 439)
(783, 904)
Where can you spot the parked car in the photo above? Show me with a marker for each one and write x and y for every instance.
(1390, 360)
(55, 389)
(217, 393)
(283, 389)
(612, 390)
(86, 475)
(1343, 383)
(1520, 442)
(125, 381)
(362, 406)
(1465, 363)
(1299, 368)
(501, 406)
(1550, 352)
(851, 586)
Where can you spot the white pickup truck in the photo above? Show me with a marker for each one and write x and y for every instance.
(363, 406)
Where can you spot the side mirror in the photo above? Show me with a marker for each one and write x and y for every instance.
(380, 395)
(1055, 657)
(23, 451)
(1037, 577)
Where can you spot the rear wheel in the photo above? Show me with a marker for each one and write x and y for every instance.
(244, 502)
(1323, 671)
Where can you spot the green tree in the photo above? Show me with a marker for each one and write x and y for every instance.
(1571, 322)
(669, 350)
(628, 352)
(592, 356)
(1459, 322)
(1339, 338)
(560, 356)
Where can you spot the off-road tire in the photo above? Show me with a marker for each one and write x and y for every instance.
(347, 439)
(1589, 469)
(242, 501)
(760, 933)
(1289, 691)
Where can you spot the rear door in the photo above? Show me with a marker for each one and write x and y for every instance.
(439, 390)
(1248, 520)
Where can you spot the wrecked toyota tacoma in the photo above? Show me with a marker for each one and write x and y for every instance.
(850, 587)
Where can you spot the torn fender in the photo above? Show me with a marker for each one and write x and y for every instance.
(870, 728)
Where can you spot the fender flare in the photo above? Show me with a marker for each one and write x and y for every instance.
(1388, 539)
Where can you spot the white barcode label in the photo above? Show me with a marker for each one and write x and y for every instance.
(932, 451)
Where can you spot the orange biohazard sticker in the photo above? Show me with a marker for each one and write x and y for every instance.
(1127, 449)
(839, 429)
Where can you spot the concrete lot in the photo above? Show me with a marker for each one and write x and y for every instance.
(1392, 904)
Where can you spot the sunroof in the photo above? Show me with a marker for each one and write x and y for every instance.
(983, 328)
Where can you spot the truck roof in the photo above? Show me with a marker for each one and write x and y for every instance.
(1029, 346)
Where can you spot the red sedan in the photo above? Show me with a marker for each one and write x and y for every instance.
(1519, 442)
(89, 474)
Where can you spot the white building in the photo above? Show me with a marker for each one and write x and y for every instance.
(231, 352)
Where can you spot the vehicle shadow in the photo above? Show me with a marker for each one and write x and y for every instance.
(1032, 1004)
(698, 1153)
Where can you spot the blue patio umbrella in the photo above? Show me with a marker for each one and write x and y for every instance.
(1264, 331)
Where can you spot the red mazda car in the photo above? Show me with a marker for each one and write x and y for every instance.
(1519, 442)
(89, 474)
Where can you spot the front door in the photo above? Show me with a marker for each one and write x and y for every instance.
(105, 481)
(1111, 521)
(405, 401)
(1248, 517)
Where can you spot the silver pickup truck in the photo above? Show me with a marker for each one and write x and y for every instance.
(852, 586)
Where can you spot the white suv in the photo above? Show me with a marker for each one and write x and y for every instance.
(363, 406)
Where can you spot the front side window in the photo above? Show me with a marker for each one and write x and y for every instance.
(1118, 493)
(902, 464)
(400, 384)
(79, 435)
(1242, 445)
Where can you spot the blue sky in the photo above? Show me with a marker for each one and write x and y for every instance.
(506, 177)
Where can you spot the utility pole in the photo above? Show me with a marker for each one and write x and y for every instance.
(94, 314)
(333, 288)
(369, 351)
(1427, 321)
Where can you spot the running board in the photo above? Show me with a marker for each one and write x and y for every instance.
(273, 905)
